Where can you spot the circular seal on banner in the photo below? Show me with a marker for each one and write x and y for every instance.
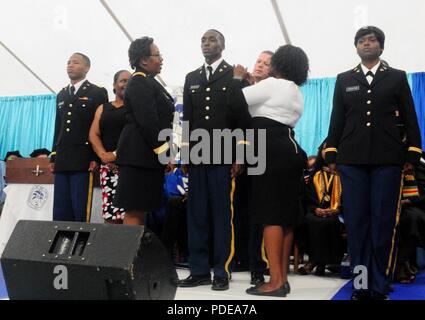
(37, 197)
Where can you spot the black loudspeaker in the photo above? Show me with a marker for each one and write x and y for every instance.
(73, 260)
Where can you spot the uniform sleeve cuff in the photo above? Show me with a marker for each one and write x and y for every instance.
(331, 150)
(414, 149)
(244, 142)
(162, 148)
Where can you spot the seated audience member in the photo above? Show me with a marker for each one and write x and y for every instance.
(324, 229)
(12, 155)
(105, 131)
(412, 224)
(40, 153)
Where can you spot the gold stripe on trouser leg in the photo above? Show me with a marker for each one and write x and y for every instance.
(397, 219)
(394, 262)
(89, 197)
(263, 254)
(232, 243)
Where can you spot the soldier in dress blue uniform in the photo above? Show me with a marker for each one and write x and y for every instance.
(365, 146)
(207, 105)
(72, 158)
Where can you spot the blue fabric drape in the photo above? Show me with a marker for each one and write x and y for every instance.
(312, 128)
(418, 92)
(27, 123)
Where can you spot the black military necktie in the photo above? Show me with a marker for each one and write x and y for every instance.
(72, 91)
(370, 75)
(209, 68)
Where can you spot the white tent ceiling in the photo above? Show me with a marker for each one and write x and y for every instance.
(43, 33)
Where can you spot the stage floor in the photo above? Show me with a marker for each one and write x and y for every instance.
(308, 287)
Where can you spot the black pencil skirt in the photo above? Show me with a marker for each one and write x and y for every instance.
(139, 188)
(276, 194)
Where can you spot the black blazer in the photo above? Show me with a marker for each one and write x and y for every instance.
(71, 149)
(211, 104)
(365, 118)
(149, 109)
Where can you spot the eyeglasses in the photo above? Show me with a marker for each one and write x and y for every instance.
(156, 55)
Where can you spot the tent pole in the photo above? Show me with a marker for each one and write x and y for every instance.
(26, 67)
(281, 22)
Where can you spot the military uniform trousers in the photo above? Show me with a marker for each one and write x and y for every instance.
(371, 196)
(73, 192)
(211, 191)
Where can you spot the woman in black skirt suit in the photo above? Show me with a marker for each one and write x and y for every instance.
(276, 104)
(149, 109)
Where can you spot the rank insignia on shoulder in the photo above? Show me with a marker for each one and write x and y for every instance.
(196, 86)
(352, 89)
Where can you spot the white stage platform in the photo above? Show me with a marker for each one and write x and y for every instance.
(308, 287)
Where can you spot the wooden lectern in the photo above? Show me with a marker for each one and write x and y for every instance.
(29, 170)
(33, 171)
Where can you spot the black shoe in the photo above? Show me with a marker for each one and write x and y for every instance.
(379, 296)
(195, 281)
(361, 295)
(287, 287)
(307, 268)
(320, 270)
(257, 278)
(280, 292)
(220, 284)
(334, 269)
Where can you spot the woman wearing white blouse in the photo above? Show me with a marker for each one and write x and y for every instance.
(276, 104)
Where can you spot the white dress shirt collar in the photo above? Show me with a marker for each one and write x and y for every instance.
(77, 85)
(214, 65)
(373, 70)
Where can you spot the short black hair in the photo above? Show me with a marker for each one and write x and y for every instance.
(220, 35)
(85, 58)
(13, 153)
(291, 63)
(117, 75)
(39, 152)
(139, 48)
(380, 36)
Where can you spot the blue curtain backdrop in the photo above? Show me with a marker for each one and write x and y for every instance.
(418, 91)
(313, 126)
(27, 123)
